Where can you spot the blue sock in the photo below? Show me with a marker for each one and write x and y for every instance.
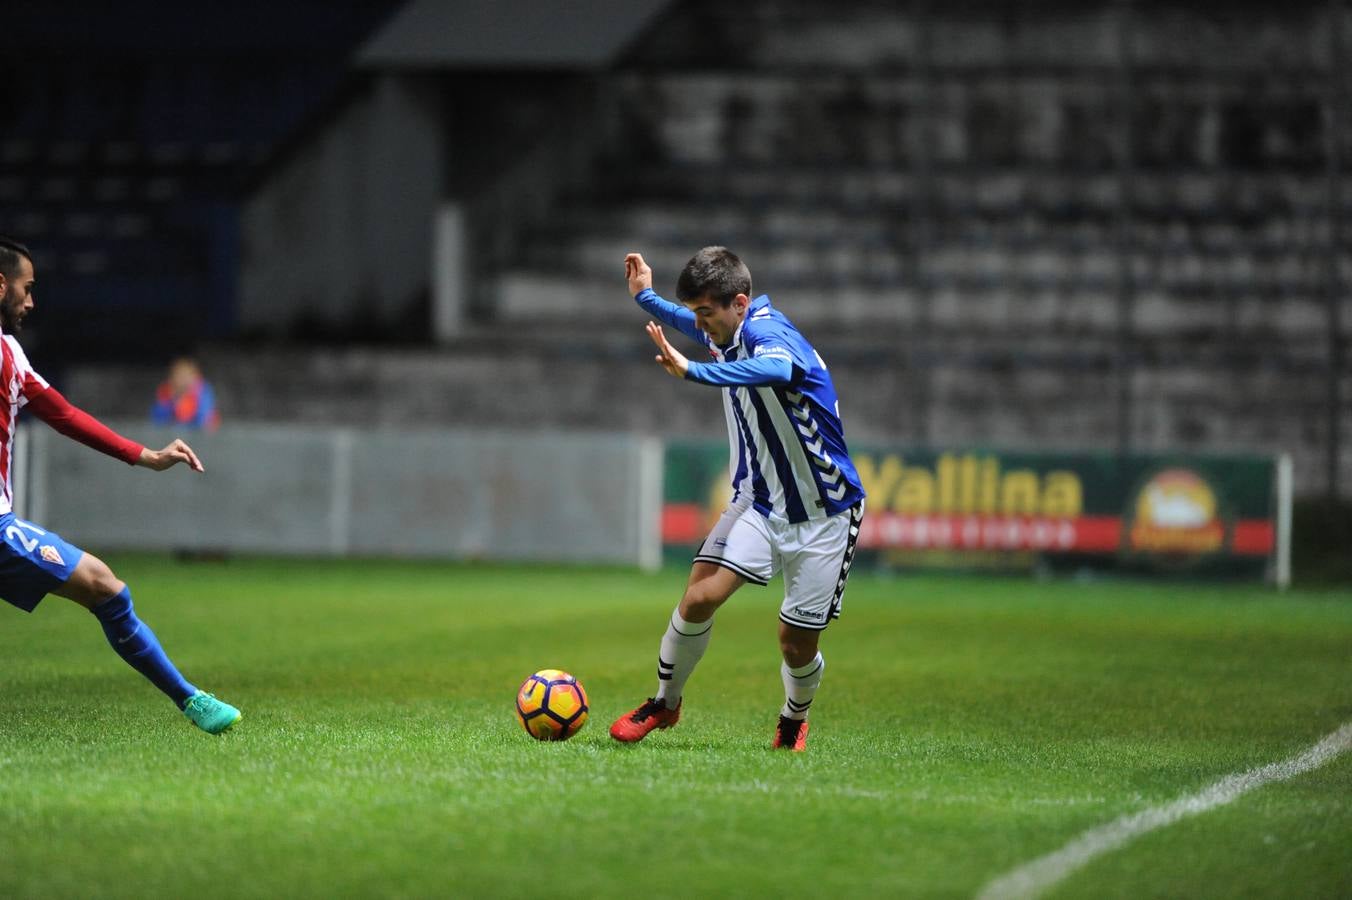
(136, 643)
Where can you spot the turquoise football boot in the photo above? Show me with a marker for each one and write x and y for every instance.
(210, 714)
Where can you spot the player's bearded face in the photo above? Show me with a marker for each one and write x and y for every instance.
(16, 303)
(11, 309)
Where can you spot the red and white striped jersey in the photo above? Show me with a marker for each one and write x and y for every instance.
(20, 384)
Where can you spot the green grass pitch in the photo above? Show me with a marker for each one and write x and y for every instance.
(965, 725)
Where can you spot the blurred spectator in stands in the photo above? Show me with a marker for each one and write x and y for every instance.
(185, 399)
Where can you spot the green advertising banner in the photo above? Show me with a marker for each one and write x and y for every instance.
(985, 508)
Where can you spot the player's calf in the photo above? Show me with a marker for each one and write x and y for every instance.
(800, 686)
(134, 641)
(138, 646)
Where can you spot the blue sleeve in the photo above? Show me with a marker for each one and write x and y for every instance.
(672, 314)
(743, 373)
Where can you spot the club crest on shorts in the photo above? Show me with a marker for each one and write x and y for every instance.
(49, 553)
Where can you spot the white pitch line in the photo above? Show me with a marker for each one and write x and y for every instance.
(1032, 878)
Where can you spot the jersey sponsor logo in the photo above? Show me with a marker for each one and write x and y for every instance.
(50, 554)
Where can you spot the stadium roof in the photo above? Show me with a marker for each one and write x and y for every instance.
(508, 34)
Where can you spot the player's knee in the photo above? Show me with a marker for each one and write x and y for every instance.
(798, 646)
(699, 603)
(102, 583)
(797, 655)
(110, 586)
(695, 608)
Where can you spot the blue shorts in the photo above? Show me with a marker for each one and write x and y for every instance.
(32, 562)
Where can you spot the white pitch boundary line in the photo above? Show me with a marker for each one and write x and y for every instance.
(1032, 878)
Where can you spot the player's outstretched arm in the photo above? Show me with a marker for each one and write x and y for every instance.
(758, 372)
(772, 368)
(49, 406)
(640, 278)
(177, 452)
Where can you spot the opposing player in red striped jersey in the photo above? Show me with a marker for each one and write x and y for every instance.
(35, 562)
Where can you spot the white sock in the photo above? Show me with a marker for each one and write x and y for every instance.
(682, 646)
(800, 686)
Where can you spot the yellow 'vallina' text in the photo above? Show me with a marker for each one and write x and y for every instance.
(967, 484)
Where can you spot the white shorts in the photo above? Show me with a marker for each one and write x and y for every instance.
(815, 557)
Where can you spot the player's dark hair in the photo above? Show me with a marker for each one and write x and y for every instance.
(11, 251)
(716, 273)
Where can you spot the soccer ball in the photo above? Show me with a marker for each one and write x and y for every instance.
(551, 705)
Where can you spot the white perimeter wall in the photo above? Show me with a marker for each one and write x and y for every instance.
(329, 491)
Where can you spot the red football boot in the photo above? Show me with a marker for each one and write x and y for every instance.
(652, 713)
(791, 734)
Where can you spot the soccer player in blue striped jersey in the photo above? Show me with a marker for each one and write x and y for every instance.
(797, 501)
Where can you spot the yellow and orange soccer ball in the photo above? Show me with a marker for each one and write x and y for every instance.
(551, 705)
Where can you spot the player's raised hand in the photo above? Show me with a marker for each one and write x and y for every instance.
(637, 271)
(669, 357)
(170, 456)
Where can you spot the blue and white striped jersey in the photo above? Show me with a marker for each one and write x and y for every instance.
(788, 453)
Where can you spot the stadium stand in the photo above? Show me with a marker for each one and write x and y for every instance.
(134, 129)
(1025, 224)
(951, 181)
